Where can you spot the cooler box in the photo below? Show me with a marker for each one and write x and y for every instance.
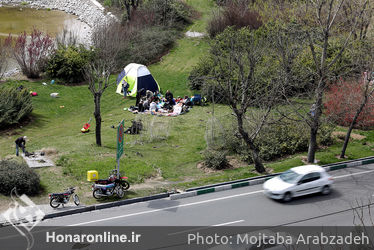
(92, 175)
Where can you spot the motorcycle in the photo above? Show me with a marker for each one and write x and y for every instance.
(113, 178)
(105, 190)
(56, 199)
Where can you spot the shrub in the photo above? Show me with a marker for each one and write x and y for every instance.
(235, 13)
(342, 101)
(32, 52)
(154, 40)
(108, 3)
(67, 63)
(20, 176)
(325, 137)
(169, 13)
(283, 139)
(215, 159)
(197, 77)
(15, 104)
(278, 140)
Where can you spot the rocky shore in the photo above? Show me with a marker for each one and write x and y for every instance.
(90, 12)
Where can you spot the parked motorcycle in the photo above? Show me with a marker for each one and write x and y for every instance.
(105, 190)
(113, 178)
(56, 199)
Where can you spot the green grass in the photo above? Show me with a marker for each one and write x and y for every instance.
(173, 70)
(205, 9)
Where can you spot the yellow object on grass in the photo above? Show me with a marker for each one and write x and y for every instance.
(92, 175)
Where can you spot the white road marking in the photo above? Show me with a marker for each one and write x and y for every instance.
(207, 227)
(341, 176)
(227, 223)
(196, 203)
(167, 208)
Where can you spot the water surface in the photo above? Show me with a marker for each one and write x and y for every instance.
(15, 20)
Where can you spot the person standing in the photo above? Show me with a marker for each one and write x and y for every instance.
(20, 143)
(125, 87)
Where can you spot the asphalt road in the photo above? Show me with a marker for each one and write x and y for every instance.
(245, 206)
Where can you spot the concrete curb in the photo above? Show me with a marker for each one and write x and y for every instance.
(107, 205)
(94, 207)
(261, 179)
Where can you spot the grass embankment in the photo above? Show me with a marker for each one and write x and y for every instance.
(168, 149)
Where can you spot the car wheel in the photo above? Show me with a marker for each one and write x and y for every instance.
(287, 197)
(326, 190)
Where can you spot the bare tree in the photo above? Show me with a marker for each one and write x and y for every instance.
(242, 79)
(108, 40)
(5, 45)
(32, 52)
(321, 25)
(367, 90)
(324, 17)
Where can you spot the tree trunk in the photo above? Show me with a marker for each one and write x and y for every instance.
(346, 140)
(257, 161)
(312, 145)
(315, 119)
(348, 135)
(97, 115)
(255, 152)
(128, 10)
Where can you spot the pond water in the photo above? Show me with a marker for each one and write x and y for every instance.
(15, 20)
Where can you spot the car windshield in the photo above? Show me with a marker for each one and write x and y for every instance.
(289, 176)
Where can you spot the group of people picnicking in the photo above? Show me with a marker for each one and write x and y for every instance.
(156, 104)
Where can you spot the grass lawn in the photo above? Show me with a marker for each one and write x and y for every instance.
(167, 152)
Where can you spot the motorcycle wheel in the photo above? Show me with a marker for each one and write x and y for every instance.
(76, 199)
(125, 185)
(119, 191)
(54, 203)
(96, 194)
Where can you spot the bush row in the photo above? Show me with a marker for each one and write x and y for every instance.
(274, 142)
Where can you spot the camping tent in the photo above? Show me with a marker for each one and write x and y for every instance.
(138, 77)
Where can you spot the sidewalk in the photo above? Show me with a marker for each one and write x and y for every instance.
(21, 213)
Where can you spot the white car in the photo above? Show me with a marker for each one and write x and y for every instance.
(298, 181)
